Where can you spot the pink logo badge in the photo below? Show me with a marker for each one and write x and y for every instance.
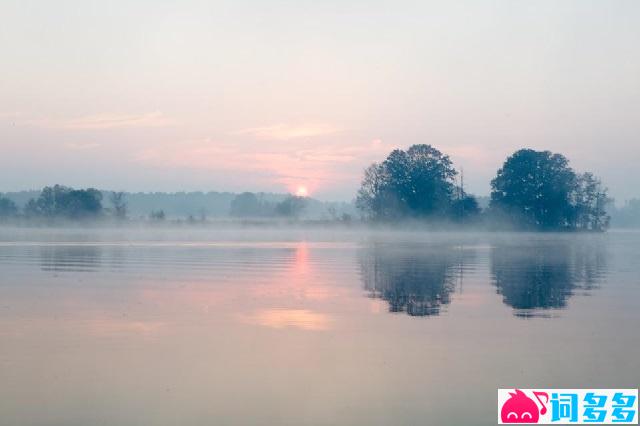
(519, 408)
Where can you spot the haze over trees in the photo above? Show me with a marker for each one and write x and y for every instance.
(291, 207)
(533, 190)
(119, 205)
(247, 204)
(250, 205)
(538, 190)
(197, 207)
(157, 216)
(8, 208)
(627, 216)
(416, 183)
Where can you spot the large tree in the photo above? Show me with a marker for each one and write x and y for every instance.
(418, 182)
(538, 189)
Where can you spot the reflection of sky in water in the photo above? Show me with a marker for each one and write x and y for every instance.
(298, 318)
(300, 332)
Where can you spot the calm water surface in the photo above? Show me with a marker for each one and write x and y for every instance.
(202, 327)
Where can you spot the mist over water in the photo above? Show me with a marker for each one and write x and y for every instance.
(274, 326)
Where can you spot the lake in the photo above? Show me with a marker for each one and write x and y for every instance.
(307, 327)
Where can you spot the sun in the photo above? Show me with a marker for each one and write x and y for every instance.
(302, 191)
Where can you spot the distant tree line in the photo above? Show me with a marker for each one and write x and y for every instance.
(627, 216)
(249, 205)
(532, 190)
(198, 207)
(62, 202)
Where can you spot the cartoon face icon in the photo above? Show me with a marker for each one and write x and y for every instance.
(519, 408)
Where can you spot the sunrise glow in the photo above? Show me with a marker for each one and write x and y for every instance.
(302, 191)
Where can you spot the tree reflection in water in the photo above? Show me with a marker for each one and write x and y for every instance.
(544, 274)
(415, 279)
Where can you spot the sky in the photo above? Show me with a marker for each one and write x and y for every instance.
(155, 95)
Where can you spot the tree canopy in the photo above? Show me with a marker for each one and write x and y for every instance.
(538, 189)
(418, 182)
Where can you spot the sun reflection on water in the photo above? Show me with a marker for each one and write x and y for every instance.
(302, 319)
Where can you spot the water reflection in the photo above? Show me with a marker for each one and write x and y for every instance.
(279, 318)
(415, 279)
(157, 329)
(544, 274)
(70, 258)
